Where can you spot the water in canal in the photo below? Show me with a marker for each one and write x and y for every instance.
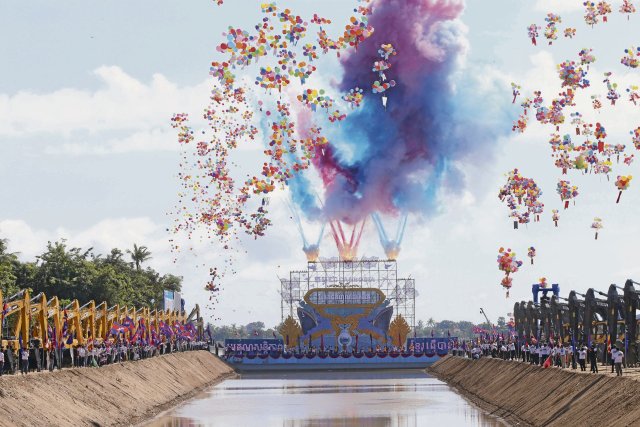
(323, 399)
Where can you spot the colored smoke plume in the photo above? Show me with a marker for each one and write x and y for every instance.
(402, 158)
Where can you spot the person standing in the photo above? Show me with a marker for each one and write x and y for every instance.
(82, 353)
(582, 355)
(24, 357)
(1, 361)
(614, 350)
(618, 362)
(593, 359)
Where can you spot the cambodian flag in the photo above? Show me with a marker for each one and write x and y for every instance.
(129, 324)
(165, 329)
(65, 328)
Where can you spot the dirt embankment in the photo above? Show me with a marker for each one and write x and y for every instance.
(529, 395)
(120, 394)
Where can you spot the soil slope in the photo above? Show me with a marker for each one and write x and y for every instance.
(529, 395)
(120, 394)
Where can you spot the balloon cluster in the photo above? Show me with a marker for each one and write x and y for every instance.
(533, 32)
(622, 183)
(627, 8)
(597, 225)
(571, 75)
(508, 264)
(634, 94)
(522, 198)
(382, 85)
(515, 90)
(566, 192)
(354, 97)
(531, 253)
(551, 30)
(586, 57)
(636, 137)
(588, 151)
(632, 57)
(212, 197)
(593, 12)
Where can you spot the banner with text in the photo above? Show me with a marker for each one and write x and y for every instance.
(253, 344)
(432, 345)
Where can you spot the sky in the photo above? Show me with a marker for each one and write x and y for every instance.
(87, 152)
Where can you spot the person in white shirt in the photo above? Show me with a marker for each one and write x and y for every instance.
(582, 356)
(563, 358)
(82, 353)
(1, 361)
(24, 357)
(614, 349)
(618, 362)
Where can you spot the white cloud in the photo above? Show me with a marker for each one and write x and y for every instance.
(123, 104)
(103, 236)
(156, 139)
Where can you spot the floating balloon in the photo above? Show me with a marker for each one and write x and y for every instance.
(622, 183)
(627, 8)
(591, 14)
(521, 196)
(533, 33)
(586, 57)
(631, 58)
(566, 192)
(508, 264)
(596, 225)
(635, 137)
(603, 8)
(354, 97)
(551, 31)
(515, 91)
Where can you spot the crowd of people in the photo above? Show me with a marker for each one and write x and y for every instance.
(545, 354)
(95, 354)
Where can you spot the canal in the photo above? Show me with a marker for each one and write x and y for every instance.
(323, 399)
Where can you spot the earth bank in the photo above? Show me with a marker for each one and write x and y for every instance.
(119, 394)
(524, 394)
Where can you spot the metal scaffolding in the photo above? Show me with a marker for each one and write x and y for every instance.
(363, 273)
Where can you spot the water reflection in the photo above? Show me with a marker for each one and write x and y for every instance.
(329, 399)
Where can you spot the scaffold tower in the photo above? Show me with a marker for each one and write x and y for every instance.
(363, 273)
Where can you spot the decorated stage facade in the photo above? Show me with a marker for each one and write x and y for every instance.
(343, 315)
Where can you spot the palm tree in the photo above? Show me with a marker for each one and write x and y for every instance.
(139, 254)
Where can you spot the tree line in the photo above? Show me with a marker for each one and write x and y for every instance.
(462, 329)
(75, 273)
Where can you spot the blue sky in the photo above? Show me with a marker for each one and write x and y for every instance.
(87, 153)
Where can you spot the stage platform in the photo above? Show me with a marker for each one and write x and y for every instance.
(326, 362)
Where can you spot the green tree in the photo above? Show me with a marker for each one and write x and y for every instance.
(8, 262)
(139, 254)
